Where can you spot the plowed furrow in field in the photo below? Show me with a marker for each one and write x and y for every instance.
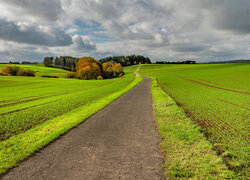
(208, 85)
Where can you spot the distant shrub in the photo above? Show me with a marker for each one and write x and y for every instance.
(25, 72)
(48, 76)
(99, 78)
(10, 70)
(16, 71)
(71, 75)
(112, 70)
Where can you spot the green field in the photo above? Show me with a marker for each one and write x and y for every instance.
(40, 69)
(36, 110)
(217, 97)
(187, 151)
(26, 102)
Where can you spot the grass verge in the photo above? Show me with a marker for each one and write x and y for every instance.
(21, 146)
(188, 153)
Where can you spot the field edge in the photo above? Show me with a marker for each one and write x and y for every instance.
(187, 151)
(23, 145)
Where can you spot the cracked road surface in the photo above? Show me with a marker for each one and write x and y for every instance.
(118, 142)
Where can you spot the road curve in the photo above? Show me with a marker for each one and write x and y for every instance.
(118, 142)
(136, 71)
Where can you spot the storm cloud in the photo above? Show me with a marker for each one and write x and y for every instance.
(37, 35)
(27, 10)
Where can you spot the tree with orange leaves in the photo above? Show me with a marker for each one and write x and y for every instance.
(111, 69)
(88, 68)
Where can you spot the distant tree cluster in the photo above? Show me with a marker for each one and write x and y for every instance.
(64, 62)
(127, 60)
(177, 62)
(28, 62)
(11, 62)
(16, 71)
(48, 61)
(89, 68)
(70, 63)
(23, 62)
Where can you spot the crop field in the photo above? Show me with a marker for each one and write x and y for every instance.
(40, 69)
(26, 102)
(217, 97)
(35, 110)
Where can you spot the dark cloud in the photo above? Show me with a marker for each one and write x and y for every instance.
(233, 16)
(188, 47)
(45, 10)
(10, 31)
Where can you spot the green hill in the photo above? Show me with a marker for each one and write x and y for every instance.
(40, 69)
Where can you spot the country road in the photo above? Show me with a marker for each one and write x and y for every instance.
(118, 142)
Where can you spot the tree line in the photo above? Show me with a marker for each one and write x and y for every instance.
(70, 63)
(64, 62)
(177, 62)
(127, 60)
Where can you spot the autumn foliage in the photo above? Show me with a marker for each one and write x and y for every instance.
(89, 68)
(10, 70)
(16, 71)
(25, 72)
(71, 75)
(111, 70)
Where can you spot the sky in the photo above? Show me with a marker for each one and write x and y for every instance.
(201, 30)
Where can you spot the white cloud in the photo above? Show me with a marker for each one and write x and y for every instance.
(83, 43)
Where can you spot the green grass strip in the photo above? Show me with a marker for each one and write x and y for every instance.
(21, 146)
(188, 154)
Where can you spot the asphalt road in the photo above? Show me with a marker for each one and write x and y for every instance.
(118, 142)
